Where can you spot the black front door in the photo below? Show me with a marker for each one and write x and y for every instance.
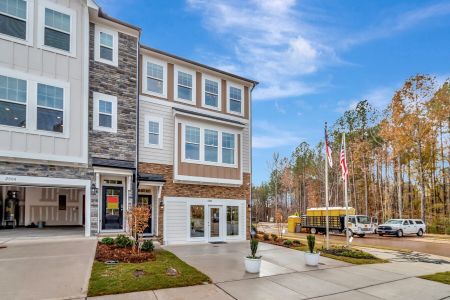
(147, 201)
(112, 208)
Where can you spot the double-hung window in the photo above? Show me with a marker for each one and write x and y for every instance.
(13, 102)
(57, 30)
(228, 146)
(50, 108)
(153, 131)
(192, 144)
(184, 86)
(13, 18)
(155, 78)
(106, 46)
(211, 93)
(235, 100)
(211, 145)
(105, 112)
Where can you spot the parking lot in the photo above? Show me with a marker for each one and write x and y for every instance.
(432, 244)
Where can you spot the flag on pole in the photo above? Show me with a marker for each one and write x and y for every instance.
(343, 161)
(327, 148)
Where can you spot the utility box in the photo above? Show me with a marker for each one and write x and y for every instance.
(292, 223)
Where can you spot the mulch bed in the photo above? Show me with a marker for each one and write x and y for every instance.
(279, 242)
(111, 252)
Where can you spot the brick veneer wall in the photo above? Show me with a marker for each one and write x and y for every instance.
(172, 189)
(121, 82)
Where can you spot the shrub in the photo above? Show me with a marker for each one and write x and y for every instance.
(253, 248)
(123, 241)
(274, 236)
(353, 253)
(147, 246)
(266, 236)
(287, 243)
(107, 241)
(311, 242)
(297, 242)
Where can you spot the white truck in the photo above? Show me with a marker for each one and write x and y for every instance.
(401, 227)
(360, 225)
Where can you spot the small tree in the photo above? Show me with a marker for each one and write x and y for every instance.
(280, 223)
(138, 220)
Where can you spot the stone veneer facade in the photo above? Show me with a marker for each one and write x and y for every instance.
(173, 189)
(121, 82)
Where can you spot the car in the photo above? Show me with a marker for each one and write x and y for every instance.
(401, 227)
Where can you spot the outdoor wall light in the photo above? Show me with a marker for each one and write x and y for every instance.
(94, 189)
(161, 204)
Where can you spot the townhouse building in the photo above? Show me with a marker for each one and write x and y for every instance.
(92, 123)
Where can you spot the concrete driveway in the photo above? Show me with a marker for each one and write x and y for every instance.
(46, 268)
(284, 276)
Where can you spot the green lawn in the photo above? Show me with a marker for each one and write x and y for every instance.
(120, 278)
(443, 277)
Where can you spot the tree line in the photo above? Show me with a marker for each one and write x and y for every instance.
(398, 161)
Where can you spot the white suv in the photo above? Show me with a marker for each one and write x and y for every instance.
(400, 227)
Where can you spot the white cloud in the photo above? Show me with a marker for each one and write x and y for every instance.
(267, 136)
(270, 43)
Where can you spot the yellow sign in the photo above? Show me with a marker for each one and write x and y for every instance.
(112, 202)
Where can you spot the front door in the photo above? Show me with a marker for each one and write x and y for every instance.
(215, 223)
(112, 208)
(146, 200)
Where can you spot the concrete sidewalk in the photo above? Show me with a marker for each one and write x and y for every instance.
(40, 268)
(284, 276)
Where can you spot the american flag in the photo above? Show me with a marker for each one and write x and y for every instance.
(343, 160)
(327, 147)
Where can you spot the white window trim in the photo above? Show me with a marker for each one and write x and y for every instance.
(115, 48)
(238, 86)
(41, 27)
(159, 120)
(29, 27)
(113, 99)
(194, 85)
(202, 160)
(219, 95)
(213, 146)
(145, 90)
(31, 104)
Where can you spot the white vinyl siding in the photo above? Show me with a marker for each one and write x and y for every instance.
(177, 221)
(28, 60)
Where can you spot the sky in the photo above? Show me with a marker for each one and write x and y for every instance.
(314, 59)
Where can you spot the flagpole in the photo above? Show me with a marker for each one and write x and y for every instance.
(346, 199)
(326, 195)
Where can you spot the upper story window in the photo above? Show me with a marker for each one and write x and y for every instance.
(50, 108)
(192, 147)
(35, 105)
(13, 102)
(105, 112)
(153, 132)
(228, 148)
(211, 92)
(106, 45)
(56, 28)
(235, 99)
(155, 77)
(185, 85)
(13, 18)
(211, 145)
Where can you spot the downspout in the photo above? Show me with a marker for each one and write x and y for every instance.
(251, 152)
(138, 80)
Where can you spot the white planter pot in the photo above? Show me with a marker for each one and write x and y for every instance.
(312, 259)
(252, 265)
